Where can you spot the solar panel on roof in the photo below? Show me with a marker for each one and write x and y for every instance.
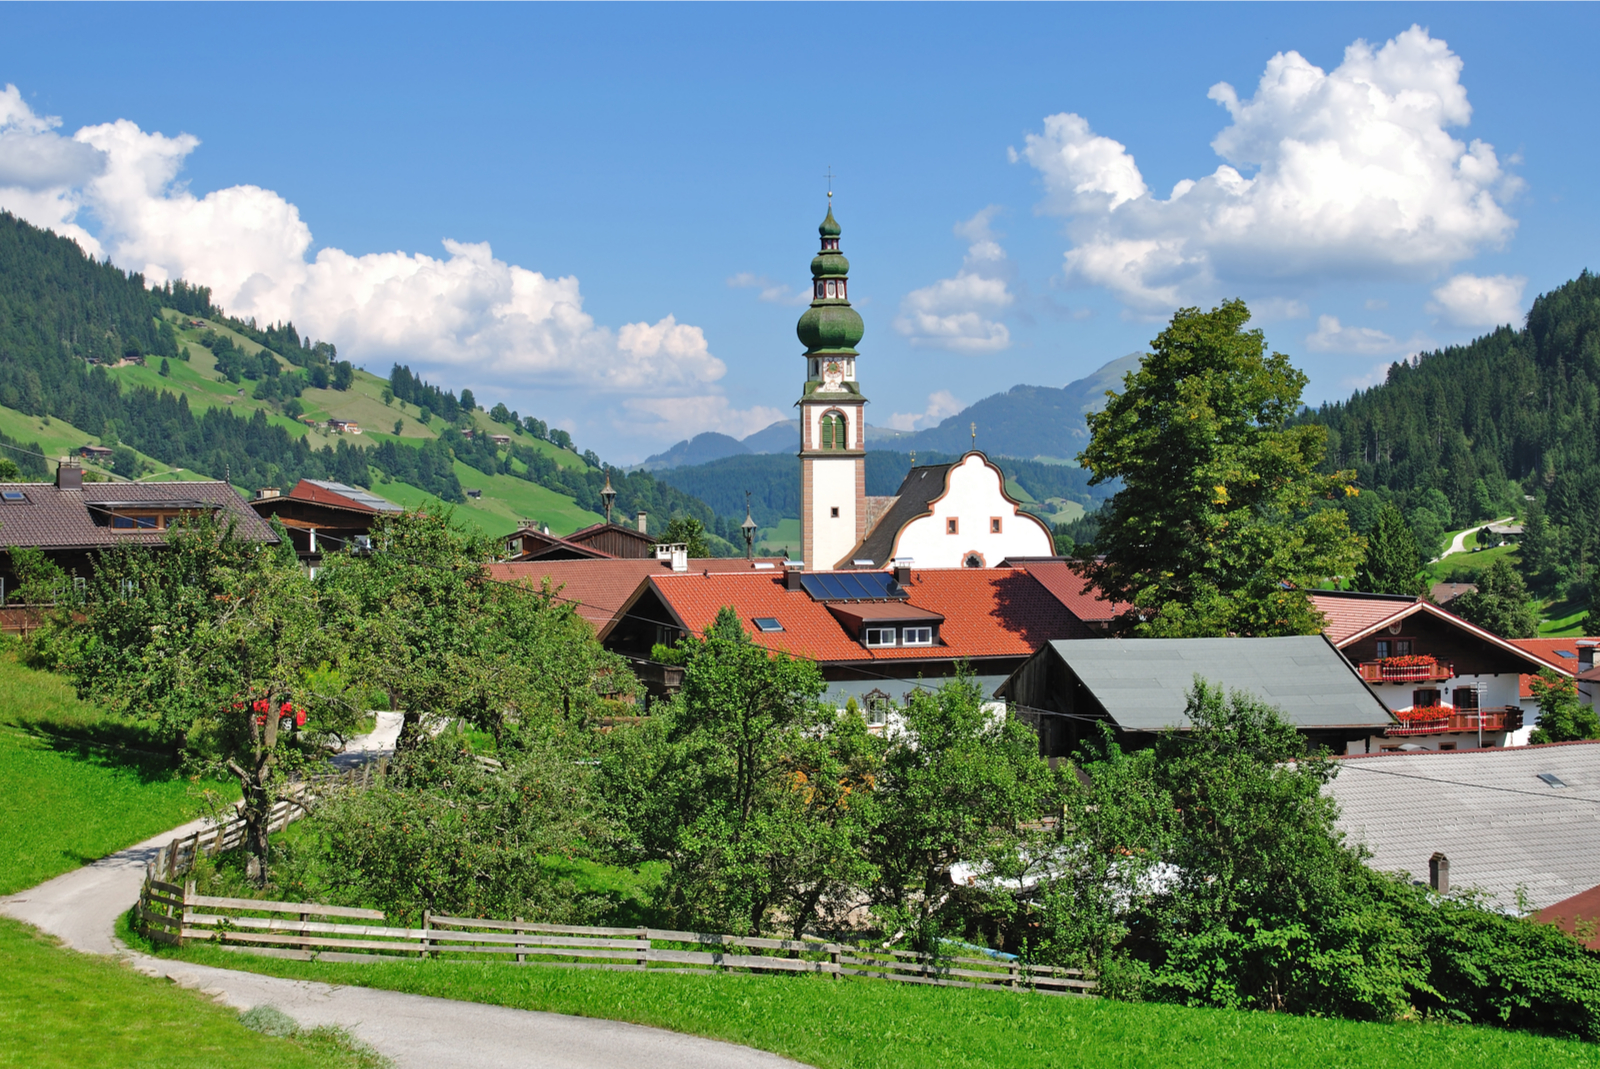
(850, 586)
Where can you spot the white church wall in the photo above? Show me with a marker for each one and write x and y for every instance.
(833, 486)
(974, 497)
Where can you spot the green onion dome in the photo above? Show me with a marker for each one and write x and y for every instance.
(829, 228)
(829, 264)
(830, 325)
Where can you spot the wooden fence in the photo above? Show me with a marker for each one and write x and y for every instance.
(176, 858)
(307, 931)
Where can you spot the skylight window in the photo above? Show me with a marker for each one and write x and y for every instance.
(15, 497)
(1566, 653)
(768, 623)
(1552, 779)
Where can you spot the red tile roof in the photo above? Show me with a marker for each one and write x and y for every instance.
(601, 587)
(1548, 649)
(1085, 601)
(1355, 616)
(1565, 914)
(1351, 615)
(988, 612)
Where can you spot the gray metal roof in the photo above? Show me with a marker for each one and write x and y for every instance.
(1143, 682)
(52, 518)
(1501, 826)
(355, 493)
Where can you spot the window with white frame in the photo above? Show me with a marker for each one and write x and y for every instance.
(877, 708)
(916, 636)
(879, 636)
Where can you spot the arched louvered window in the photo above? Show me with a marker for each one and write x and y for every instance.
(833, 431)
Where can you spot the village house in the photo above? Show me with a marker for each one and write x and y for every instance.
(876, 636)
(74, 521)
(1140, 688)
(1449, 683)
(599, 541)
(321, 516)
(341, 426)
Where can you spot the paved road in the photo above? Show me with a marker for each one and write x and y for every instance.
(416, 1032)
(1458, 544)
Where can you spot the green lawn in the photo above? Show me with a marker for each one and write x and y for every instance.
(74, 788)
(771, 541)
(59, 1008)
(506, 501)
(867, 1024)
(1470, 561)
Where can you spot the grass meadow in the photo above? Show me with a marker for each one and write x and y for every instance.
(63, 1010)
(73, 787)
(868, 1024)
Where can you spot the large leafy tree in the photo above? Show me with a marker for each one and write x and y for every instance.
(758, 795)
(1500, 604)
(224, 648)
(448, 643)
(1393, 563)
(1218, 528)
(961, 783)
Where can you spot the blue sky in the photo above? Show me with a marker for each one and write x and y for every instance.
(631, 192)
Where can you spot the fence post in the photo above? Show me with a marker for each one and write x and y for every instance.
(644, 951)
(521, 957)
(183, 921)
(833, 958)
(427, 924)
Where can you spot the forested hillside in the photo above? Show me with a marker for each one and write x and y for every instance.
(81, 343)
(1471, 432)
(773, 480)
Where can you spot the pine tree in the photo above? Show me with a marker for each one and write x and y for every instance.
(1394, 562)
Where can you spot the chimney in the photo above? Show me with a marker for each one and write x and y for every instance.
(266, 493)
(791, 576)
(642, 525)
(902, 571)
(1586, 655)
(68, 475)
(680, 558)
(1439, 873)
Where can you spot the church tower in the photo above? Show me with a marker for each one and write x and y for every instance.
(833, 457)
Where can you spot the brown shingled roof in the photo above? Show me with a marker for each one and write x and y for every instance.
(51, 518)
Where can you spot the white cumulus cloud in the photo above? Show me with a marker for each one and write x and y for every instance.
(1342, 173)
(1333, 337)
(770, 291)
(1479, 301)
(955, 313)
(942, 404)
(499, 327)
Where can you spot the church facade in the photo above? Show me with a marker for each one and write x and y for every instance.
(944, 516)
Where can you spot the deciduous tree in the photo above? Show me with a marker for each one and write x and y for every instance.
(1217, 528)
(1500, 604)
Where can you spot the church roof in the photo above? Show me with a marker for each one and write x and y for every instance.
(922, 486)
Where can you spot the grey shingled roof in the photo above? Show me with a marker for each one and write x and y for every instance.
(916, 493)
(1486, 810)
(1143, 682)
(355, 493)
(70, 519)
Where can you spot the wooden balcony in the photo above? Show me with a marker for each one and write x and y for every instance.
(1378, 672)
(1508, 718)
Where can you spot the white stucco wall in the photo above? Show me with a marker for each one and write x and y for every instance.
(975, 495)
(1494, 692)
(833, 485)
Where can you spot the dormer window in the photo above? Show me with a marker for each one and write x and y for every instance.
(879, 636)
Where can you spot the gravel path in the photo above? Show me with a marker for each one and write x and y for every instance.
(415, 1031)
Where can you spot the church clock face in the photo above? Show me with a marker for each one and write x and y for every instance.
(832, 375)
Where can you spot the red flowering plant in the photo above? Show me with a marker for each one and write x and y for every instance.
(1423, 713)
(1410, 660)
